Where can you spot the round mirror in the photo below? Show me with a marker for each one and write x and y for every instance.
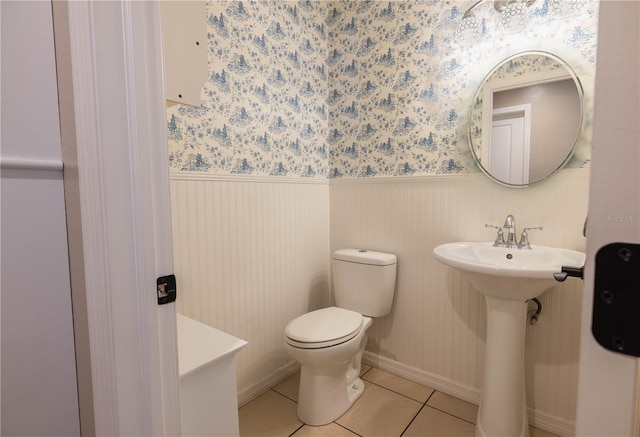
(526, 119)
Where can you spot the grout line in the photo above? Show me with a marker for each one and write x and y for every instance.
(350, 430)
(370, 368)
(284, 396)
(450, 414)
(430, 396)
(298, 429)
(398, 393)
(414, 418)
(424, 404)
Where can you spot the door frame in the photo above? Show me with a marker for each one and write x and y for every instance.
(121, 149)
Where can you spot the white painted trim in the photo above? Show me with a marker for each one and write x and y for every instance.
(163, 325)
(565, 173)
(510, 83)
(151, 212)
(452, 388)
(404, 179)
(123, 181)
(459, 177)
(30, 164)
(266, 384)
(526, 110)
(606, 382)
(201, 176)
(93, 220)
(538, 419)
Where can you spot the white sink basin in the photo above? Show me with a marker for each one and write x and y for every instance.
(514, 274)
(507, 278)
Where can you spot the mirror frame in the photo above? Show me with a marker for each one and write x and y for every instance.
(486, 93)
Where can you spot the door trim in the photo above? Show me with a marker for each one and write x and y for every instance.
(123, 173)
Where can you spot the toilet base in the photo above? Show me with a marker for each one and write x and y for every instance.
(326, 393)
(325, 397)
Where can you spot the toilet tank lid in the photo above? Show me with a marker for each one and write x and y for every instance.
(362, 256)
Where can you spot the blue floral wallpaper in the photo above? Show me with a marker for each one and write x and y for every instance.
(357, 88)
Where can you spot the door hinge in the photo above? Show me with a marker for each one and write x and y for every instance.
(616, 299)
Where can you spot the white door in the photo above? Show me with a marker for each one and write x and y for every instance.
(509, 153)
(39, 392)
(607, 390)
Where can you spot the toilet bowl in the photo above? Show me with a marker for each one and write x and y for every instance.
(330, 367)
(329, 343)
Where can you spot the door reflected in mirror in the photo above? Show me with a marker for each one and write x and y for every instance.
(534, 116)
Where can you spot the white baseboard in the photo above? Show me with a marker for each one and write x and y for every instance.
(452, 388)
(547, 422)
(250, 393)
(552, 424)
(539, 419)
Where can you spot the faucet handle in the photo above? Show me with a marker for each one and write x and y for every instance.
(524, 239)
(499, 237)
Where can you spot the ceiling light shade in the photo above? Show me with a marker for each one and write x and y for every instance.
(513, 14)
(559, 8)
(468, 29)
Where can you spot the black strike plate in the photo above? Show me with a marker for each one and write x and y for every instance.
(616, 300)
(166, 286)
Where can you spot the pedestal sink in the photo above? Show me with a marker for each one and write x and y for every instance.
(507, 278)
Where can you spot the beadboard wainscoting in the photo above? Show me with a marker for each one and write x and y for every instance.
(250, 255)
(435, 332)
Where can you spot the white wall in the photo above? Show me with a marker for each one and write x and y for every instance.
(39, 394)
(435, 332)
(253, 253)
(250, 255)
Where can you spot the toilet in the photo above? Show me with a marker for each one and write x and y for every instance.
(328, 343)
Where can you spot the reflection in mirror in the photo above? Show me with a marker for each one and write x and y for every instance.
(526, 119)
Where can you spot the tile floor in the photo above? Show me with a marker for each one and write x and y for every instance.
(390, 406)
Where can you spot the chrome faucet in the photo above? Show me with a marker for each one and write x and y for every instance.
(499, 238)
(512, 242)
(524, 238)
(510, 224)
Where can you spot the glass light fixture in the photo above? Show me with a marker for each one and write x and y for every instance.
(513, 15)
(468, 29)
(558, 8)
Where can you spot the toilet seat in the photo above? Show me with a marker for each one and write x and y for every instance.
(323, 328)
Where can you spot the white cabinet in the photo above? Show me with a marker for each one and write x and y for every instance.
(184, 43)
(208, 393)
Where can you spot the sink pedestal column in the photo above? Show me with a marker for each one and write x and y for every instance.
(503, 406)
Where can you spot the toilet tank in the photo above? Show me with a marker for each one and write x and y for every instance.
(364, 281)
